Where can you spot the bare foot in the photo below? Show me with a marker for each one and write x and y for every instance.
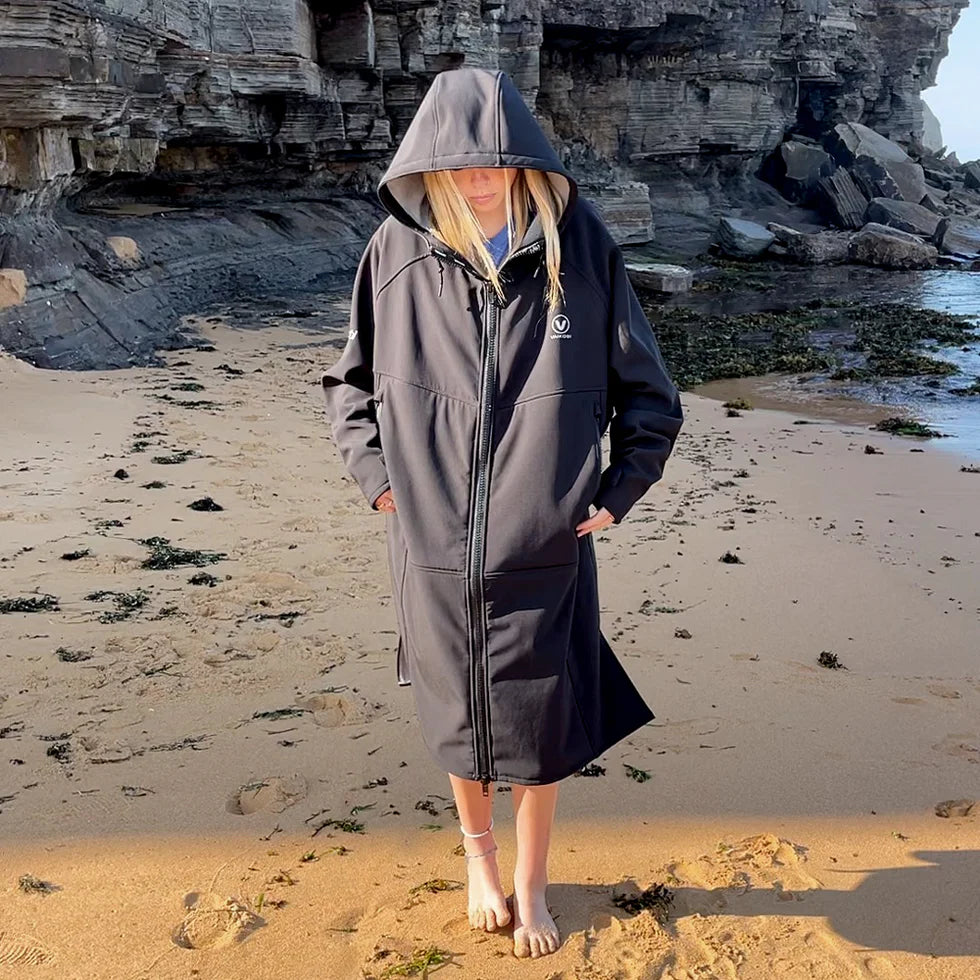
(535, 932)
(487, 906)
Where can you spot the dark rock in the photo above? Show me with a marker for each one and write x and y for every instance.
(823, 248)
(938, 178)
(879, 166)
(958, 236)
(783, 233)
(797, 168)
(660, 277)
(743, 239)
(971, 175)
(842, 200)
(890, 248)
(903, 215)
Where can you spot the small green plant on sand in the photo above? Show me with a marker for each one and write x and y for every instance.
(418, 965)
(640, 775)
(436, 885)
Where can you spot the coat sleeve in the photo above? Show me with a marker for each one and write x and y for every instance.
(348, 388)
(647, 409)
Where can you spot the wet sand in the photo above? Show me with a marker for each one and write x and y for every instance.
(167, 780)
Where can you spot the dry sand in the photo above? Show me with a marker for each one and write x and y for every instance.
(789, 806)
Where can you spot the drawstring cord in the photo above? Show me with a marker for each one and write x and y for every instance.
(438, 255)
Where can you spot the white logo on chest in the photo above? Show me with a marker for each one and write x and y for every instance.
(560, 327)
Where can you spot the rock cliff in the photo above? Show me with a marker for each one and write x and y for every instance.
(128, 125)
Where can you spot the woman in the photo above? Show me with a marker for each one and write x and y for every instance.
(469, 406)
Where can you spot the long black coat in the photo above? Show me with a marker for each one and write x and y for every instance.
(485, 421)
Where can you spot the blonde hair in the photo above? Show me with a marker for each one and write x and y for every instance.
(456, 224)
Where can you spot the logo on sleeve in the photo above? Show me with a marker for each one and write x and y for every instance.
(351, 334)
(560, 327)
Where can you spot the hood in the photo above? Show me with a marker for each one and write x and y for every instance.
(470, 117)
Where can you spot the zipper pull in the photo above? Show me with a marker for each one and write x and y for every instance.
(486, 784)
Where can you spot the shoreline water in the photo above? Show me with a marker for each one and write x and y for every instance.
(265, 703)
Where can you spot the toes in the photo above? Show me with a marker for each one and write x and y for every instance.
(521, 947)
(491, 918)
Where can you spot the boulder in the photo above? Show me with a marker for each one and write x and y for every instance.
(879, 166)
(660, 277)
(904, 215)
(971, 175)
(938, 178)
(958, 236)
(625, 209)
(822, 248)
(798, 167)
(890, 248)
(743, 239)
(784, 234)
(841, 200)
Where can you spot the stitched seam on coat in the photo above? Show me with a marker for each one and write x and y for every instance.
(497, 106)
(394, 276)
(549, 394)
(528, 568)
(587, 277)
(434, 391)
(436, 568)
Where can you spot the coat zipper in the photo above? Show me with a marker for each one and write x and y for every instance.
(479, 662)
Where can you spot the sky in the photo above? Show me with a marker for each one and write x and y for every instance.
(954, 97)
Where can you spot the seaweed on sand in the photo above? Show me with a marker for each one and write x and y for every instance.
(177, 456)
(126, 603)
(906, 427)
(165, 555)
(657, 900)
(29, 603)
(700, 347)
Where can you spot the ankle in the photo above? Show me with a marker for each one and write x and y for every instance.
(530, 884)
(475, 845)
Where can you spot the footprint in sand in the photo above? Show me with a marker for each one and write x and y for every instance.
(334, 710)
(215, 921)
(965, 745)
(23, 951)
(957, 808)
(878, 966)
(274, 794)
(100, 751)
(909, 700)
(942, 690)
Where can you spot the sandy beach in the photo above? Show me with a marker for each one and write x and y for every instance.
(223, 780)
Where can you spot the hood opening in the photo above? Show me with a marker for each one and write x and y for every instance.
(470, 117)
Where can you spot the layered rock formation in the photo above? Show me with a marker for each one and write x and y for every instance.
(113, 109)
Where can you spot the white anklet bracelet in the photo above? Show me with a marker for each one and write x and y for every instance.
(481, 834)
